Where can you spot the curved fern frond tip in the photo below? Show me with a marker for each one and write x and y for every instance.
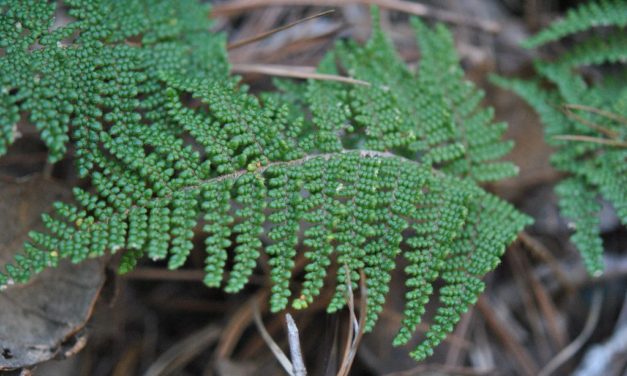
(585, 17)
(575, 109)
(348, 175)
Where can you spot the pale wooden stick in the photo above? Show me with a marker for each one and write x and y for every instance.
(604, 141)
(304, 72)
(298, 365)
(607, 114)
(608, 132)
(274, 31)
(276, 350)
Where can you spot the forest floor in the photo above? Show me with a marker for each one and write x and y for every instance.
(540, 314)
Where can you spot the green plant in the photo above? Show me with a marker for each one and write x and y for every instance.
(356, 174)
(585, 120)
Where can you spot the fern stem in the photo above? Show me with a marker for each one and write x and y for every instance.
(295, 162)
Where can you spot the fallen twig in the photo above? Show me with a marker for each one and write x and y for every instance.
(594, 126)
(304, 72)
(298, 365)
(534, 318)
(356, 328)
(521, 355)
(236, 7)
(597, 140)
(607, 358)
(443, 369)
(607, 114)
(154, 273)
(239, 321)
(182, 352)
(574, 346)
(541, 251)
(274, 31)
(276, 350)
(455, 349)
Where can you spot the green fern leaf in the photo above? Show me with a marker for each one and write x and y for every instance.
(584, 122)
(586, 16)
(352, 176)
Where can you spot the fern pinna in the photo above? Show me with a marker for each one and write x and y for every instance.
(585, 121)
(350, 175)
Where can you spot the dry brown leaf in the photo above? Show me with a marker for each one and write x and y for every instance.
(42, 319)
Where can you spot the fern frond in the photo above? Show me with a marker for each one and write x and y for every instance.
(86, 77)
(596, 168)
(597, 50)
(579, 204)
(440, 221)
(352, 176)
(440, 73)
(586, 16)
(433, 113)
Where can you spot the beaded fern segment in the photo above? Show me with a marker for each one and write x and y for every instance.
(88, 76)
(378, 110)
(491, 224)
(42, 76)
(578, 203)
(584, 122)
(441, 75)
(438, 222)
